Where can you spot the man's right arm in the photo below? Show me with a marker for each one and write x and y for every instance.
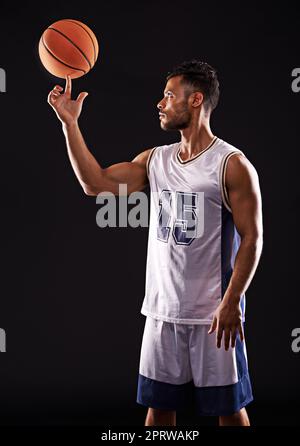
(92, 177)
(95, 179)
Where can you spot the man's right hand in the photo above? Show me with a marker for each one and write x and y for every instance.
(67, 110)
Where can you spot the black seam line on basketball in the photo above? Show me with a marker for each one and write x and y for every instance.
(70, 66)
(223, 177)
(150, 157)
(73, 21)
(197, 156)
(66, 37)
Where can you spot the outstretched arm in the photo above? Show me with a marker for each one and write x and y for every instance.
(92, 177)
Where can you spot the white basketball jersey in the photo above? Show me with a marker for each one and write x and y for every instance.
(192, 240)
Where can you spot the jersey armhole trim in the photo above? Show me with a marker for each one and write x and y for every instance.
(149, 159)
(223, 168)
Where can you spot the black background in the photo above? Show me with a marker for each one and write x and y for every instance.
(71, 292)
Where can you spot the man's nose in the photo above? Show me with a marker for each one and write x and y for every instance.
(159, 105)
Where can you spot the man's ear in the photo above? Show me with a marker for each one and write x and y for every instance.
(197, 98)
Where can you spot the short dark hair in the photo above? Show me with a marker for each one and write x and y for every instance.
(201, 77)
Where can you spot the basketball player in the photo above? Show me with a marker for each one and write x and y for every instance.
(205, 241)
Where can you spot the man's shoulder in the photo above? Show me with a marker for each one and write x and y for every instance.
(226, 147)
(166, 147)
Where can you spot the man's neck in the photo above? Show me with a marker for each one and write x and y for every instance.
(195, 140)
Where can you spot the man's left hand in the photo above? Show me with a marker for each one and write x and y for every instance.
(228, 321)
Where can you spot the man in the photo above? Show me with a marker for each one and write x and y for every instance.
(205, 241)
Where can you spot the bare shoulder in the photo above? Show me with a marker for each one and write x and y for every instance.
(142, 158)
(239, 171)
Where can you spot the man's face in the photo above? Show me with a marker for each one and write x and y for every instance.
(174, 113)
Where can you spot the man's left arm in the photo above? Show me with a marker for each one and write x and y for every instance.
(244, 195)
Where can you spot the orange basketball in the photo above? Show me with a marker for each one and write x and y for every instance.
(68, 47)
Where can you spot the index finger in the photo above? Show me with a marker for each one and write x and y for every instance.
(68, 88)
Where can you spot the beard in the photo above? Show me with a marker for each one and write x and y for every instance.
(180, 120)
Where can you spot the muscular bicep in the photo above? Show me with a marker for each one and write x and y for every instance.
(244, 196)
(125, 178)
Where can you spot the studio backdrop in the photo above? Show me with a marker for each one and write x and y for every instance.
(72, 291)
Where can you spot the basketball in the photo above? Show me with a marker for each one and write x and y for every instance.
(68, 47)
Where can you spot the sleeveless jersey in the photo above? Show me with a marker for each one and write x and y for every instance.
(192, 240)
